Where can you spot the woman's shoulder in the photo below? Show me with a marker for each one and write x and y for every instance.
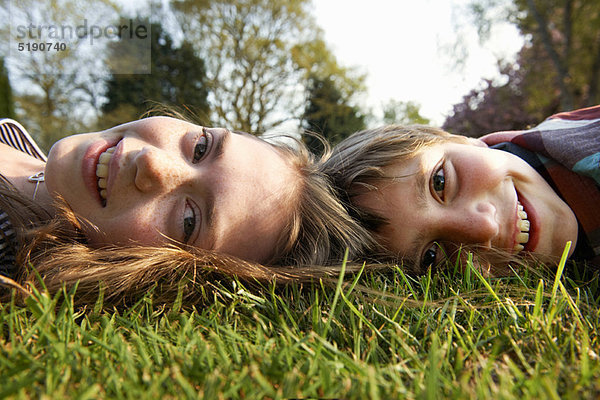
(13, 134)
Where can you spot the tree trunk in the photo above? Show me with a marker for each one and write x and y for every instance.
(592, 94)
(566, 97)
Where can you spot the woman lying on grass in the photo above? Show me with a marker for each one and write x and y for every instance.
(158, 200)
(426, 193)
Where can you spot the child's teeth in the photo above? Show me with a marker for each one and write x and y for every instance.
(518, 247)
(523, 225)
(102, 183)
(522, 237)
(103, 194)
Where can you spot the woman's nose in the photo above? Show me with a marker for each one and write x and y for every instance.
(155, 170)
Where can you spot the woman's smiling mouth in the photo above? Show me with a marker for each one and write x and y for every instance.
(102, 172)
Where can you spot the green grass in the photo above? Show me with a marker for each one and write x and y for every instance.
(379, 336)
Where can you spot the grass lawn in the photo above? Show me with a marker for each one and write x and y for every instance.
(449, 335)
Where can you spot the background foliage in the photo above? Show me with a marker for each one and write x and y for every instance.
(178, 77)
(256, 65)
(558, 68)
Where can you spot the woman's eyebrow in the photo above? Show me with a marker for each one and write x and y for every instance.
(220, 145)
(208, 237)
(210, 203)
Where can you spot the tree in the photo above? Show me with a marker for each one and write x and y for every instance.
(247, 45)
(403, 113)
(58, 90)
(177, 78)
(331, 90)
(569, 33)
(328, 114)
(565, 37)
(504, 106)
(7, 109)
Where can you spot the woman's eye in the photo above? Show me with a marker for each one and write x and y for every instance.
(200, 148)
(430, 256)
(438, 182)
(189, 222)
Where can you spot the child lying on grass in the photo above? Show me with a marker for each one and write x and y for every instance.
(425, 193)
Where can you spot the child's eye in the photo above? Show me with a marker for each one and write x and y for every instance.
(200, 148)
(430, 256)
(438, 182)
(189, 222)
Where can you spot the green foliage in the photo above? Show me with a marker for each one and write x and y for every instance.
(247, 45)
(177, 78)
(58, 92)
(558, 67)
(567, 33)
(329, 115)
(331, 90)
(497, 107)
(403, 113)
(379, 335)
(317, 63)
(7, 107)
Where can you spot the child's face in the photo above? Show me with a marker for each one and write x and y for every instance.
(167, 178)
(455, 193)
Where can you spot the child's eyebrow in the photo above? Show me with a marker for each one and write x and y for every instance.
(422, 205)
(421, 180)
(414, 253)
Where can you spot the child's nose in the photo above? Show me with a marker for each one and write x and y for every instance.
(474, 224)
(155, 170)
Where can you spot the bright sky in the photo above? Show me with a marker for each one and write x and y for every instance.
(399, 44)
(403, 45)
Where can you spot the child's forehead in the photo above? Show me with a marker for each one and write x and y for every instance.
(414, 164)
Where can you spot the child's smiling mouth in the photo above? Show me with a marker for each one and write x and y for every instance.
(523, 225)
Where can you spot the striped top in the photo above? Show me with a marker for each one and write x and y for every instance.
(14, 135)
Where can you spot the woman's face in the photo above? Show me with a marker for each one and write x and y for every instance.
(454, 193)
(160, 178)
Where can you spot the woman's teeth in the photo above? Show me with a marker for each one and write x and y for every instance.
(102, 171)
(523, 225)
